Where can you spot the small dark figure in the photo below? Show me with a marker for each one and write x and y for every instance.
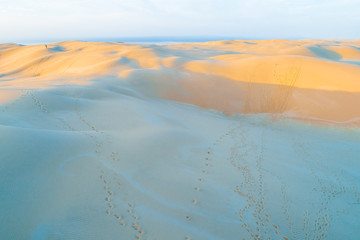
(46, 45)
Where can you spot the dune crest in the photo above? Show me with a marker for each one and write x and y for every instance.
(305, 79)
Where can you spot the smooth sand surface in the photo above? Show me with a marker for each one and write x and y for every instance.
(202, 141)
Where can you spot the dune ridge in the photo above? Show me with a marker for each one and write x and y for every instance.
(308, 79)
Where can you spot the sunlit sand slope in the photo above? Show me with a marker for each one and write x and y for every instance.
(307, 79)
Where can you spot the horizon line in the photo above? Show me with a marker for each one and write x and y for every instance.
(169, 39)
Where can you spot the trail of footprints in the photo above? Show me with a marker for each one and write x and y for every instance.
(251, 185)
(315, 225)
(127, 220)
(121, 217)
(252, 188)
(317, 229)
(208, 164)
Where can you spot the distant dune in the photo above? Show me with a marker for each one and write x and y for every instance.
(307, 79)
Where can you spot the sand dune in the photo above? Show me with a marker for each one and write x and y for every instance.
(183, 141)
(257, 76)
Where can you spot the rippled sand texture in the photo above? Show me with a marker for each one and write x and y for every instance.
(93, 147)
